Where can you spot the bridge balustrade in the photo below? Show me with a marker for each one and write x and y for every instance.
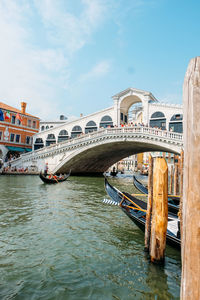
(147, 131)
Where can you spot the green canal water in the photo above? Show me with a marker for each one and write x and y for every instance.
(62, 242)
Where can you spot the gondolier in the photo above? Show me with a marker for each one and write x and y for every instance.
(46, 169)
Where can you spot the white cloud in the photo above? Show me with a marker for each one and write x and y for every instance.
(68, 30)
(40, 74)
(99, 70)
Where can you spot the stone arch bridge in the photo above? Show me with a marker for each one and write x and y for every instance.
(95, 152)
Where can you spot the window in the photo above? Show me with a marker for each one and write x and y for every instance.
(0, 135)
(29, 123)
(47, 127)
(18, 122)
(76, 131)
(13, 120)
(28, 139)
(42, 128)
(106, 121)
(63, 135)
(38, 143)
(176, 123)
(90, 126)
(34, 124)
(158, 120)
(12, 137)
(50, 139)
(17, 138)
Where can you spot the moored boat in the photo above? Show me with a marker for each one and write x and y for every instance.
(173, 201)
(135, 209)
(53, 178)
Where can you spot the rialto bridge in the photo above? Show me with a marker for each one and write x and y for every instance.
(91, 144)
(94, 152)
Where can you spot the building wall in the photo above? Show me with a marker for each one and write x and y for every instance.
(10, 129)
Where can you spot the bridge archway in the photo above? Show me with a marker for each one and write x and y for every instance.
(96, 159)
(130, 105)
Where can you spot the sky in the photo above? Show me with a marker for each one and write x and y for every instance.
(71, 56)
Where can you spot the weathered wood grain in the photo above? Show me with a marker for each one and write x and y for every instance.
(190, 283)
(159, 210)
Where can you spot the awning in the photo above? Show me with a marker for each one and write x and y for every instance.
(18, 149)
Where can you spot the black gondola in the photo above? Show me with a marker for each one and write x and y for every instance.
(53, 179)
(135, 209)
(173, 201)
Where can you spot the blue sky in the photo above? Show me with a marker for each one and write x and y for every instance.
(71, 56)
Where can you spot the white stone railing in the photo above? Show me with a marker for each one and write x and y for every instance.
(135, 130)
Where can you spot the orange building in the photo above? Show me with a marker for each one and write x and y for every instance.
(16, 130)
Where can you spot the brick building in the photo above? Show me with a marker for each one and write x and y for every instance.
(16, 130)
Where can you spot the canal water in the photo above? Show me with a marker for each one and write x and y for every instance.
(62, 242)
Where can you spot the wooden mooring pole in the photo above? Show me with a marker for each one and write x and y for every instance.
(176, 181)
(190, 281)
(171, 181)
(149, 205)
(181, 192)
(159, 211)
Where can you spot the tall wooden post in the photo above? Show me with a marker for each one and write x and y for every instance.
(176, 189)
(190, 283)
(171, 180)
(159, 210)
(181, 191)
(149, 205)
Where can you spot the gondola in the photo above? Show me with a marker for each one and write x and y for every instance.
(53, 180)
(135, 209)
(173, 201)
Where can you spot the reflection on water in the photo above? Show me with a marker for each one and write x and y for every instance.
(61, 242)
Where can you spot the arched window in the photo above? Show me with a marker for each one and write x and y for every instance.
(157, 114)
(158, 120)
(76, 131)
(90, 126)
(47, 127)
(106, 121)
(176, 123)
(42, 128)
(50, 139)
(63, 136)
(38, 144)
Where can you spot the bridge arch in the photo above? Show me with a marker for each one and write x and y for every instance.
(98, 155)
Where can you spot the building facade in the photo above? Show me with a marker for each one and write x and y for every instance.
(17, 128)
